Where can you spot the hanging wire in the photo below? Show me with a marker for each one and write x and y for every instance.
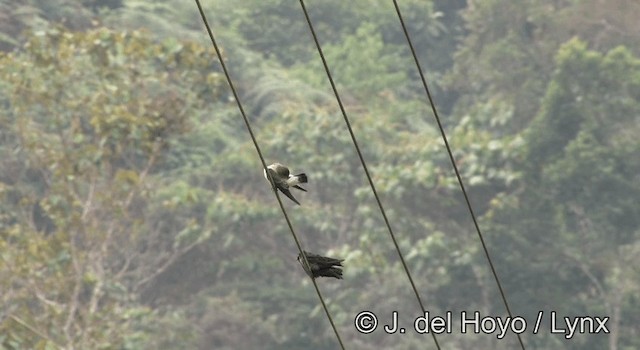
(264, 165)
(364, 165)
(455, 167)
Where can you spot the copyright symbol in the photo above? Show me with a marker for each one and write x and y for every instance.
(366, 322)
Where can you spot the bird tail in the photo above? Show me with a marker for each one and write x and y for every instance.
(302, 178)
(300, 188)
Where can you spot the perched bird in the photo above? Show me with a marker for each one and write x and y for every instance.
(282, 180)
(321, 266)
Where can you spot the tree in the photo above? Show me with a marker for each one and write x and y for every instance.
(580, 174)
(87, 119)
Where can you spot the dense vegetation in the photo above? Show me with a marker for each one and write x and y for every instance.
(134, 215)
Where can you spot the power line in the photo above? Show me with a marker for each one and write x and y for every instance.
(264, 165)
(455, 167)
(364, 165)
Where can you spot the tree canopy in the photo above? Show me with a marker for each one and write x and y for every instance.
(134, 213)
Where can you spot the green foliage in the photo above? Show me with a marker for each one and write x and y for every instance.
(91, 113)
(581, 176)
(368, 65)
(134, 213)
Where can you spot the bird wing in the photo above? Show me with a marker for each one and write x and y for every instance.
(282, 170)
(321, 266)
(334, 272)
(311, 256)
(327, 262)
(287, 193)
(280, 183)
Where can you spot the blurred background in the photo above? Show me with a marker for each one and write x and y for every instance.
(134, 213)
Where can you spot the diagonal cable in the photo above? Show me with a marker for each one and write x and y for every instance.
(264, 165)
(455, 167)
(364, 165)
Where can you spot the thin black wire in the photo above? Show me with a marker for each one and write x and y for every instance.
(455, 167)
(264, 165)
(364, 165)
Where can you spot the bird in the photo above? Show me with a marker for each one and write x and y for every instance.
(282, 180)
(321, 266)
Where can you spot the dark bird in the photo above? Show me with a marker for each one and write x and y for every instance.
(321, 266)
(281, 179)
